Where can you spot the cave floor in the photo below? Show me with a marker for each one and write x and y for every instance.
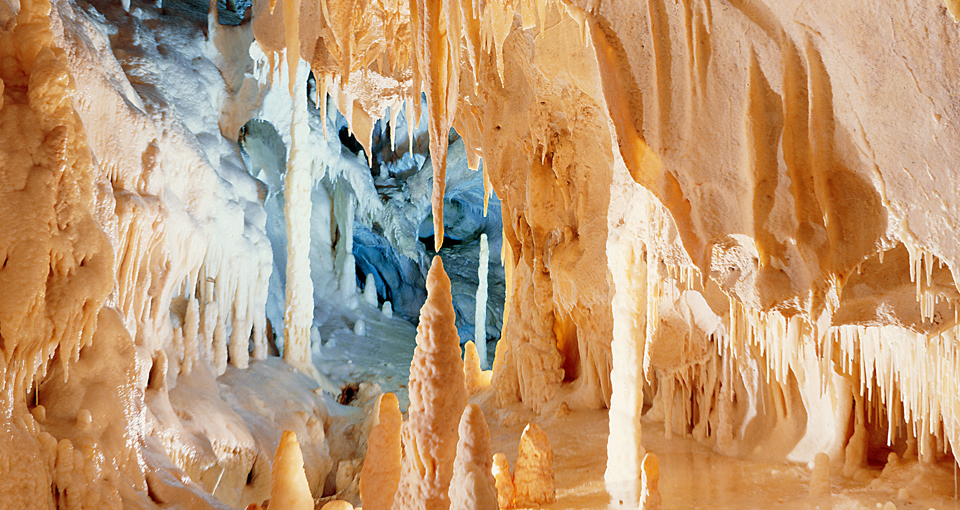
(692, 476)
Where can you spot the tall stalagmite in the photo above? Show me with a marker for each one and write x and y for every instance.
(298, 312)
(437, 399)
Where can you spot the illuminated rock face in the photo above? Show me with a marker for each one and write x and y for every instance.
(741, 213)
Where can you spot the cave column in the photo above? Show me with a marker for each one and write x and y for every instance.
(625, 451)
(345, 210)
(298, 183)
(480, 322)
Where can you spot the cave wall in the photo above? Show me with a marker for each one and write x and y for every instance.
(545, 145)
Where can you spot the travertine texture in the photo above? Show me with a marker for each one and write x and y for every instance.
(473, 486)
(57, 271)
(437, 400)
(380, 476)
(533, 475)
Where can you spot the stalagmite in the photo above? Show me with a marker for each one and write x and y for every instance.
(471, 368)
(289, 489)
(533, 475)
(370, 290)
(473, 486)
(650, 484)
(480, 323)
(437, 399)
(820, 475)
(855, 456)
(191, 330)
(506, 490)
(380, 476)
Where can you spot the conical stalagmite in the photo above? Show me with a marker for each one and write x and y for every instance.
(473, 486)
(437, 399)
(289, 489)
(534, 473)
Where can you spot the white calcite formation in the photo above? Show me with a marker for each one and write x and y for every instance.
(479, 324)
(437, 400)
(298, 182)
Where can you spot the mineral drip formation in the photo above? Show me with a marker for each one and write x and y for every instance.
(437, 400)
(735, 220)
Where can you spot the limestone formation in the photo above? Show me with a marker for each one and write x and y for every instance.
(337, 504)
(471, 368)
(473, 486)
(820, 475)
(289, 488)
(533, 475)
(380, 476)
(745, 211)
(506, 490)
(437, 400)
